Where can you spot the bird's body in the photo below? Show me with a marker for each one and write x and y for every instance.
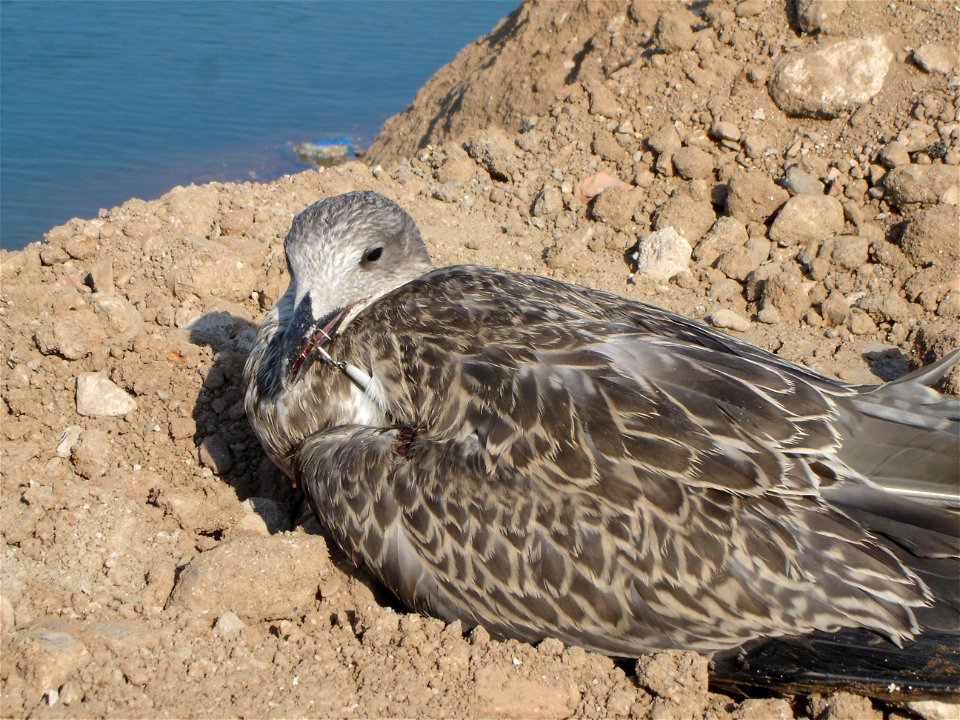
(547, 460)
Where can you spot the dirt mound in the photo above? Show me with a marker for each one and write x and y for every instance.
(154, 563)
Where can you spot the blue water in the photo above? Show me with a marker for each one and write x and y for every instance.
(103, 101)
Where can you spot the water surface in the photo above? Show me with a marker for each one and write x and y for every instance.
(103, 101)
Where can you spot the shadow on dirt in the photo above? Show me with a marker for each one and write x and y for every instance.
(229, 447)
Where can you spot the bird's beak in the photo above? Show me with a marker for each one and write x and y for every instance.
(308, 338)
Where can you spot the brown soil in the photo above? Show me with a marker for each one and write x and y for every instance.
(155, 564)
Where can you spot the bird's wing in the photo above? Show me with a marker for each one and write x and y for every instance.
(618, 490)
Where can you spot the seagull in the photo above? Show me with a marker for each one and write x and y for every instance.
(548, 460)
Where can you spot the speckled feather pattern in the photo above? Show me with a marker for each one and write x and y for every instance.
(548, 460)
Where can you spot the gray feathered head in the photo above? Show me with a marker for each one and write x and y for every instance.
(352, 247)
(344, 252)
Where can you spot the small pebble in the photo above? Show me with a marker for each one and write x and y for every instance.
(727, 319)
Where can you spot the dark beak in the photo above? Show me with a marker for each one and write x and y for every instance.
(305, 335)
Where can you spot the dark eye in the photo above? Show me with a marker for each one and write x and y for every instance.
(373, 254)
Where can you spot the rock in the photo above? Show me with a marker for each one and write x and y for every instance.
(494, 152)
(80, 247)
(93, 454)
(193, 210)
(917, 137)
(928, 184)
(160, 580)
(275, 515)
(615, 207)
(688, 211)
(931, 237)
(606, 146)
(835, 309)
(215, 454)
(884, 306)
(569, 250)
(764, 709)
(749, 8)
(820, 16)
(692, 163)
(67, 440)
(70, 693)
(832, 79)
(101, 278)
(666, 140)
(738, 263)
(859, 323)
(935, 709)
(619, 702)
(263, 578)
(183, 427)
(7, 617)
(48, 655)
(726, 234)
(71, 335)
(843, 706)
(894, 154)
(228, 624)
(549, 202)
(123, 321)
(673, 674)
(97, 396)
(847, 251)
(784, 292)
(805, 218)
(673, 32)
(752, 196)
(800, 182)
(936, 57)
(592, 186)
(725, 291)
(603, 101)
(721, 130)
(662, 255)
(727, 319)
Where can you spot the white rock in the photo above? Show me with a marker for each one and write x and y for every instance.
(725, 318)
(97, 396)
(67, 440)
(807, 217)
(830, 79)
(935, 710)
(663, 254)
(229, 623)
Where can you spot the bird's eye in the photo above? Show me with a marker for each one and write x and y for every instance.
(373, 254)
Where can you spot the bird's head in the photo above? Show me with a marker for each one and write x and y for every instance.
(344, 252)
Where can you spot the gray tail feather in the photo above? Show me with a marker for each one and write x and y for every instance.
(905, 436)
(854, 660)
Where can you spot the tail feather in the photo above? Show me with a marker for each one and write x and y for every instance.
(853, 660)
(905, 436)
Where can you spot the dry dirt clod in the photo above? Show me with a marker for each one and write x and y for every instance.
(820, 16)
(831, 79)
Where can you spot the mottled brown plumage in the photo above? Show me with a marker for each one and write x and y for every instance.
(547, 460)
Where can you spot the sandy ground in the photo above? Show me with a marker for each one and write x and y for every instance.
(155, 564)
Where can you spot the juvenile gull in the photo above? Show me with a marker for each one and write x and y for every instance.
(548, 460)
